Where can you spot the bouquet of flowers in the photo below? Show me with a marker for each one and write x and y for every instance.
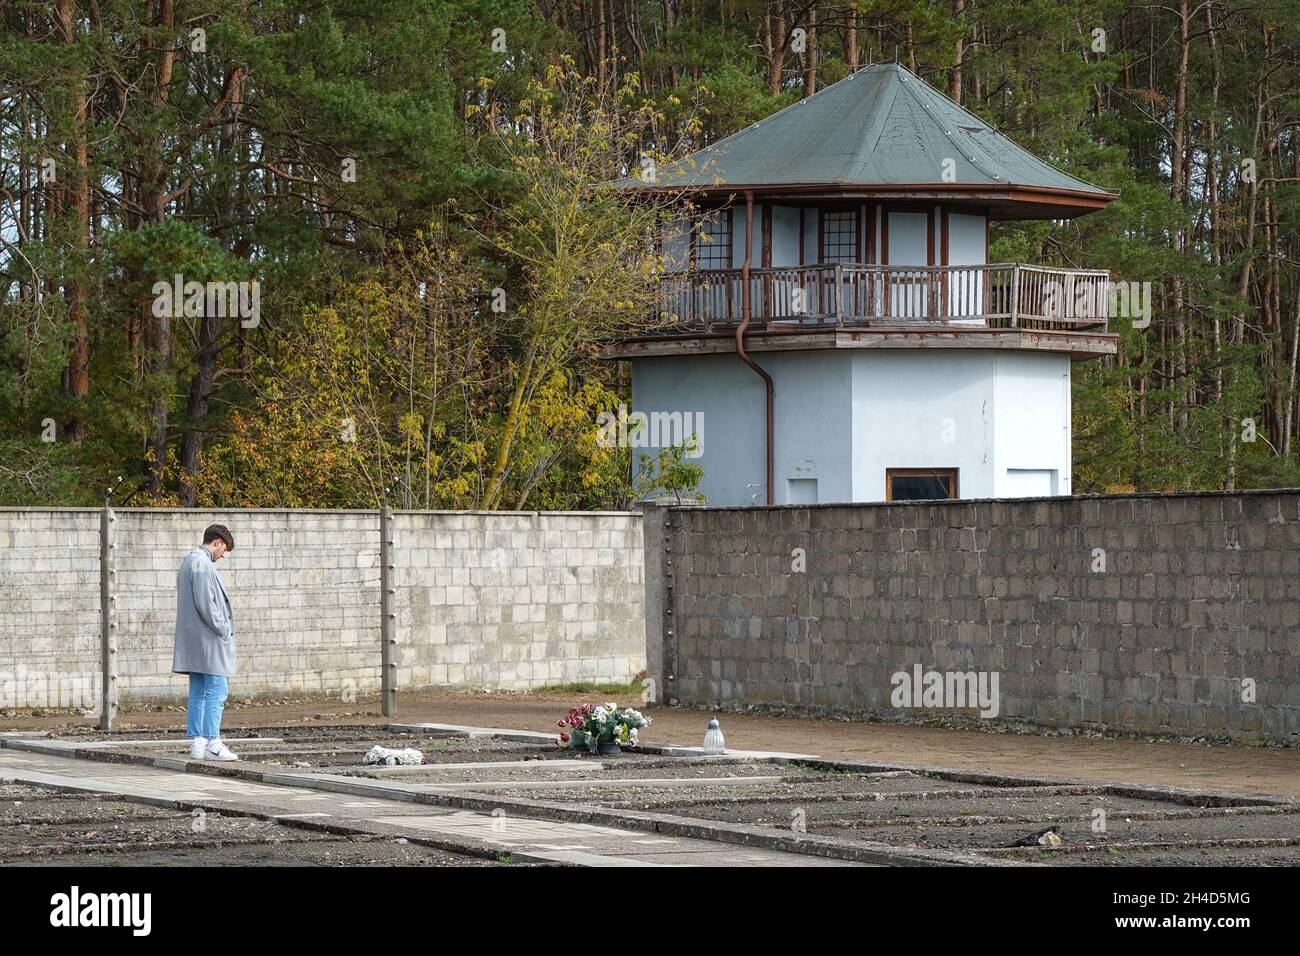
(591, 725)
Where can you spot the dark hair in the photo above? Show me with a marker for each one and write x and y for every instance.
(215, 531)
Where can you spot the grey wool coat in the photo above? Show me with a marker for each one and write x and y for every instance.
(205, 624)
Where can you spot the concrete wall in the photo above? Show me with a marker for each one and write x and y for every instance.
(515, 601)
(1031, 413)
(981, 412)
(923, 409)
(49, 607)
(304, 586)
(1197, 593)
(844, 416)
(506, 600)
(813, 420)
(731, 398)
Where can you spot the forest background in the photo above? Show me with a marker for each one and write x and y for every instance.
(416, 188)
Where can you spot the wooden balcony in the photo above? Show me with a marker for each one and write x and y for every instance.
(853, 296)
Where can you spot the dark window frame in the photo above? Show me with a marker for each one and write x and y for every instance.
(713, 255)
(952, 474)
(846, 235)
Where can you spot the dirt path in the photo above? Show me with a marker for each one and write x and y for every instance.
(1272, 772)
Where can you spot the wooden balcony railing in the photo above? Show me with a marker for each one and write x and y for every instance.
(843, 295)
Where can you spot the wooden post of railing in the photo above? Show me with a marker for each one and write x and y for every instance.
(708, 312)
(839, 295)
(1104, 303)
(1015, 295)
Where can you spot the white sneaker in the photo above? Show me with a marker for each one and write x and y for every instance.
(196, 748)
(221, 752)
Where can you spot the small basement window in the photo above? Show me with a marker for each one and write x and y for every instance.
(920, 484)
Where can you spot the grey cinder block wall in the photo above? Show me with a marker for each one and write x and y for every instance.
(1133, 613)
(498, 601)
(1155, 614)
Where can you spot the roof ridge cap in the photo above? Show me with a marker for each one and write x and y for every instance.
(879, 123)
(971, 159)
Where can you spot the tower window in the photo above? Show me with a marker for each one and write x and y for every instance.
(840, 235)
(713, 240)
(920, 484)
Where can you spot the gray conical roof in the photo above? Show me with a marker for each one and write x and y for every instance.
(879, 129)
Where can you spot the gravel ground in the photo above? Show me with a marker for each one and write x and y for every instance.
(625, 769)
(903, 809)
(783, 794)
(333, 852)
(1079, 832)
(341, 750)
(1196, 856)
(1267, 771)
(41, 827)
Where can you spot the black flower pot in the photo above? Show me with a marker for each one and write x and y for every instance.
(608, 748)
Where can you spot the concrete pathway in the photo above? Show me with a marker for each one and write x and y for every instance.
(523, 838)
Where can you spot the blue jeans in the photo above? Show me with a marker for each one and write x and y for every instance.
(207, 700)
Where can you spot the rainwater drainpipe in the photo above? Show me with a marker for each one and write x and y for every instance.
(740, 337)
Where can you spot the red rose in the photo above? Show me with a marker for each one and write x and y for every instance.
(564, 737)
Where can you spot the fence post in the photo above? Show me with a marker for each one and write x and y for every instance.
(661, 628)
(387, 616)
(1015, 295)
(107, 620)
(839, 295)
(652, 542)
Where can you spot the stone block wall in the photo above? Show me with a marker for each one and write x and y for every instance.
(1146, 613)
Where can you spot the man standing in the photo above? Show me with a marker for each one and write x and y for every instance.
(205, 642)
